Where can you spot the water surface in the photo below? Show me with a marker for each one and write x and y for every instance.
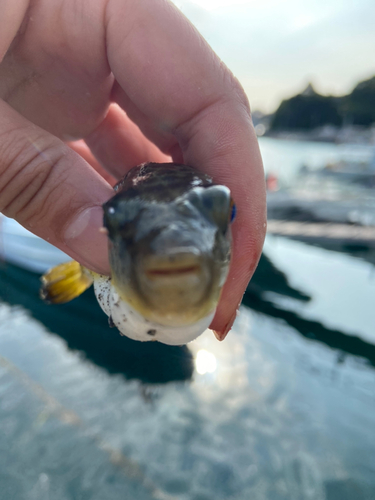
(283, 409)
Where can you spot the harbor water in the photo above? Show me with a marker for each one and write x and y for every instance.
(283, 409)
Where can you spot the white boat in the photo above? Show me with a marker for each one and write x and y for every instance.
(340, 193)
(354, 173)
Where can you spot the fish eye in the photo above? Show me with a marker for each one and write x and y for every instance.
(233, 211)
(215, 204)
(119, 214)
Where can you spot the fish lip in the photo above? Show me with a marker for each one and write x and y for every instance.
(160, 272)
(172, 264)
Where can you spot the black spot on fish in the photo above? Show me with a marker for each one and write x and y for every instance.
(110, 322)
(151, 332)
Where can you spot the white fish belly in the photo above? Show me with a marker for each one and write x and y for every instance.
(133, 325)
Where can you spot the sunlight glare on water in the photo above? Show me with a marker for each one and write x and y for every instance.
(205, 362)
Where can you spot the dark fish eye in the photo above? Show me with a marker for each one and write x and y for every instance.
(233, 211)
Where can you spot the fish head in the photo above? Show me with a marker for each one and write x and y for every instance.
(169, 260)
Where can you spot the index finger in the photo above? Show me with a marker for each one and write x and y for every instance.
(180, 93)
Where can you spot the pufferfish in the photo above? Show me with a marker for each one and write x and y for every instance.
(169, 238)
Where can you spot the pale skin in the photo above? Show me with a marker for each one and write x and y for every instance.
(91, 88)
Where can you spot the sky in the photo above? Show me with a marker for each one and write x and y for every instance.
(276, 47)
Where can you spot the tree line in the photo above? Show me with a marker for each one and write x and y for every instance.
(310, 109)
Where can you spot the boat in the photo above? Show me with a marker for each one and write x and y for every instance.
(331, 205)
(352, 173)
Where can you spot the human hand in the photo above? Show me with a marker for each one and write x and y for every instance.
(64, 65)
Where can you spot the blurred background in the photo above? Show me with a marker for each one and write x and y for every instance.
(284, 408)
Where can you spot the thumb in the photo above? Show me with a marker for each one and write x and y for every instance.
(51, 190)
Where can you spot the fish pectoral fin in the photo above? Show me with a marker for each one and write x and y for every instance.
(65, 282)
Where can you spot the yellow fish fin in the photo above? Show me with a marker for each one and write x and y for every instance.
(65, 282)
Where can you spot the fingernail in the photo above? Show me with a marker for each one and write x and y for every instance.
(220, 335)
(84, 238)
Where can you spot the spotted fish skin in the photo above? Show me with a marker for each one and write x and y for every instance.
(161, 182)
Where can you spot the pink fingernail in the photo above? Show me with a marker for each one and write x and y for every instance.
(221, 335)
(88, 244)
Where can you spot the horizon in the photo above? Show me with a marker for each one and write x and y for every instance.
(276, 48)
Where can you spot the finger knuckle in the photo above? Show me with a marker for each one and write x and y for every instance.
(29, 176)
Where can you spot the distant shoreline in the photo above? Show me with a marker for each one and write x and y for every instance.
(327, 134)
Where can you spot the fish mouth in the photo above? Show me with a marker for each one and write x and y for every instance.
(170, 272)
(173, 288)
(173, 265)
(177, 288)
